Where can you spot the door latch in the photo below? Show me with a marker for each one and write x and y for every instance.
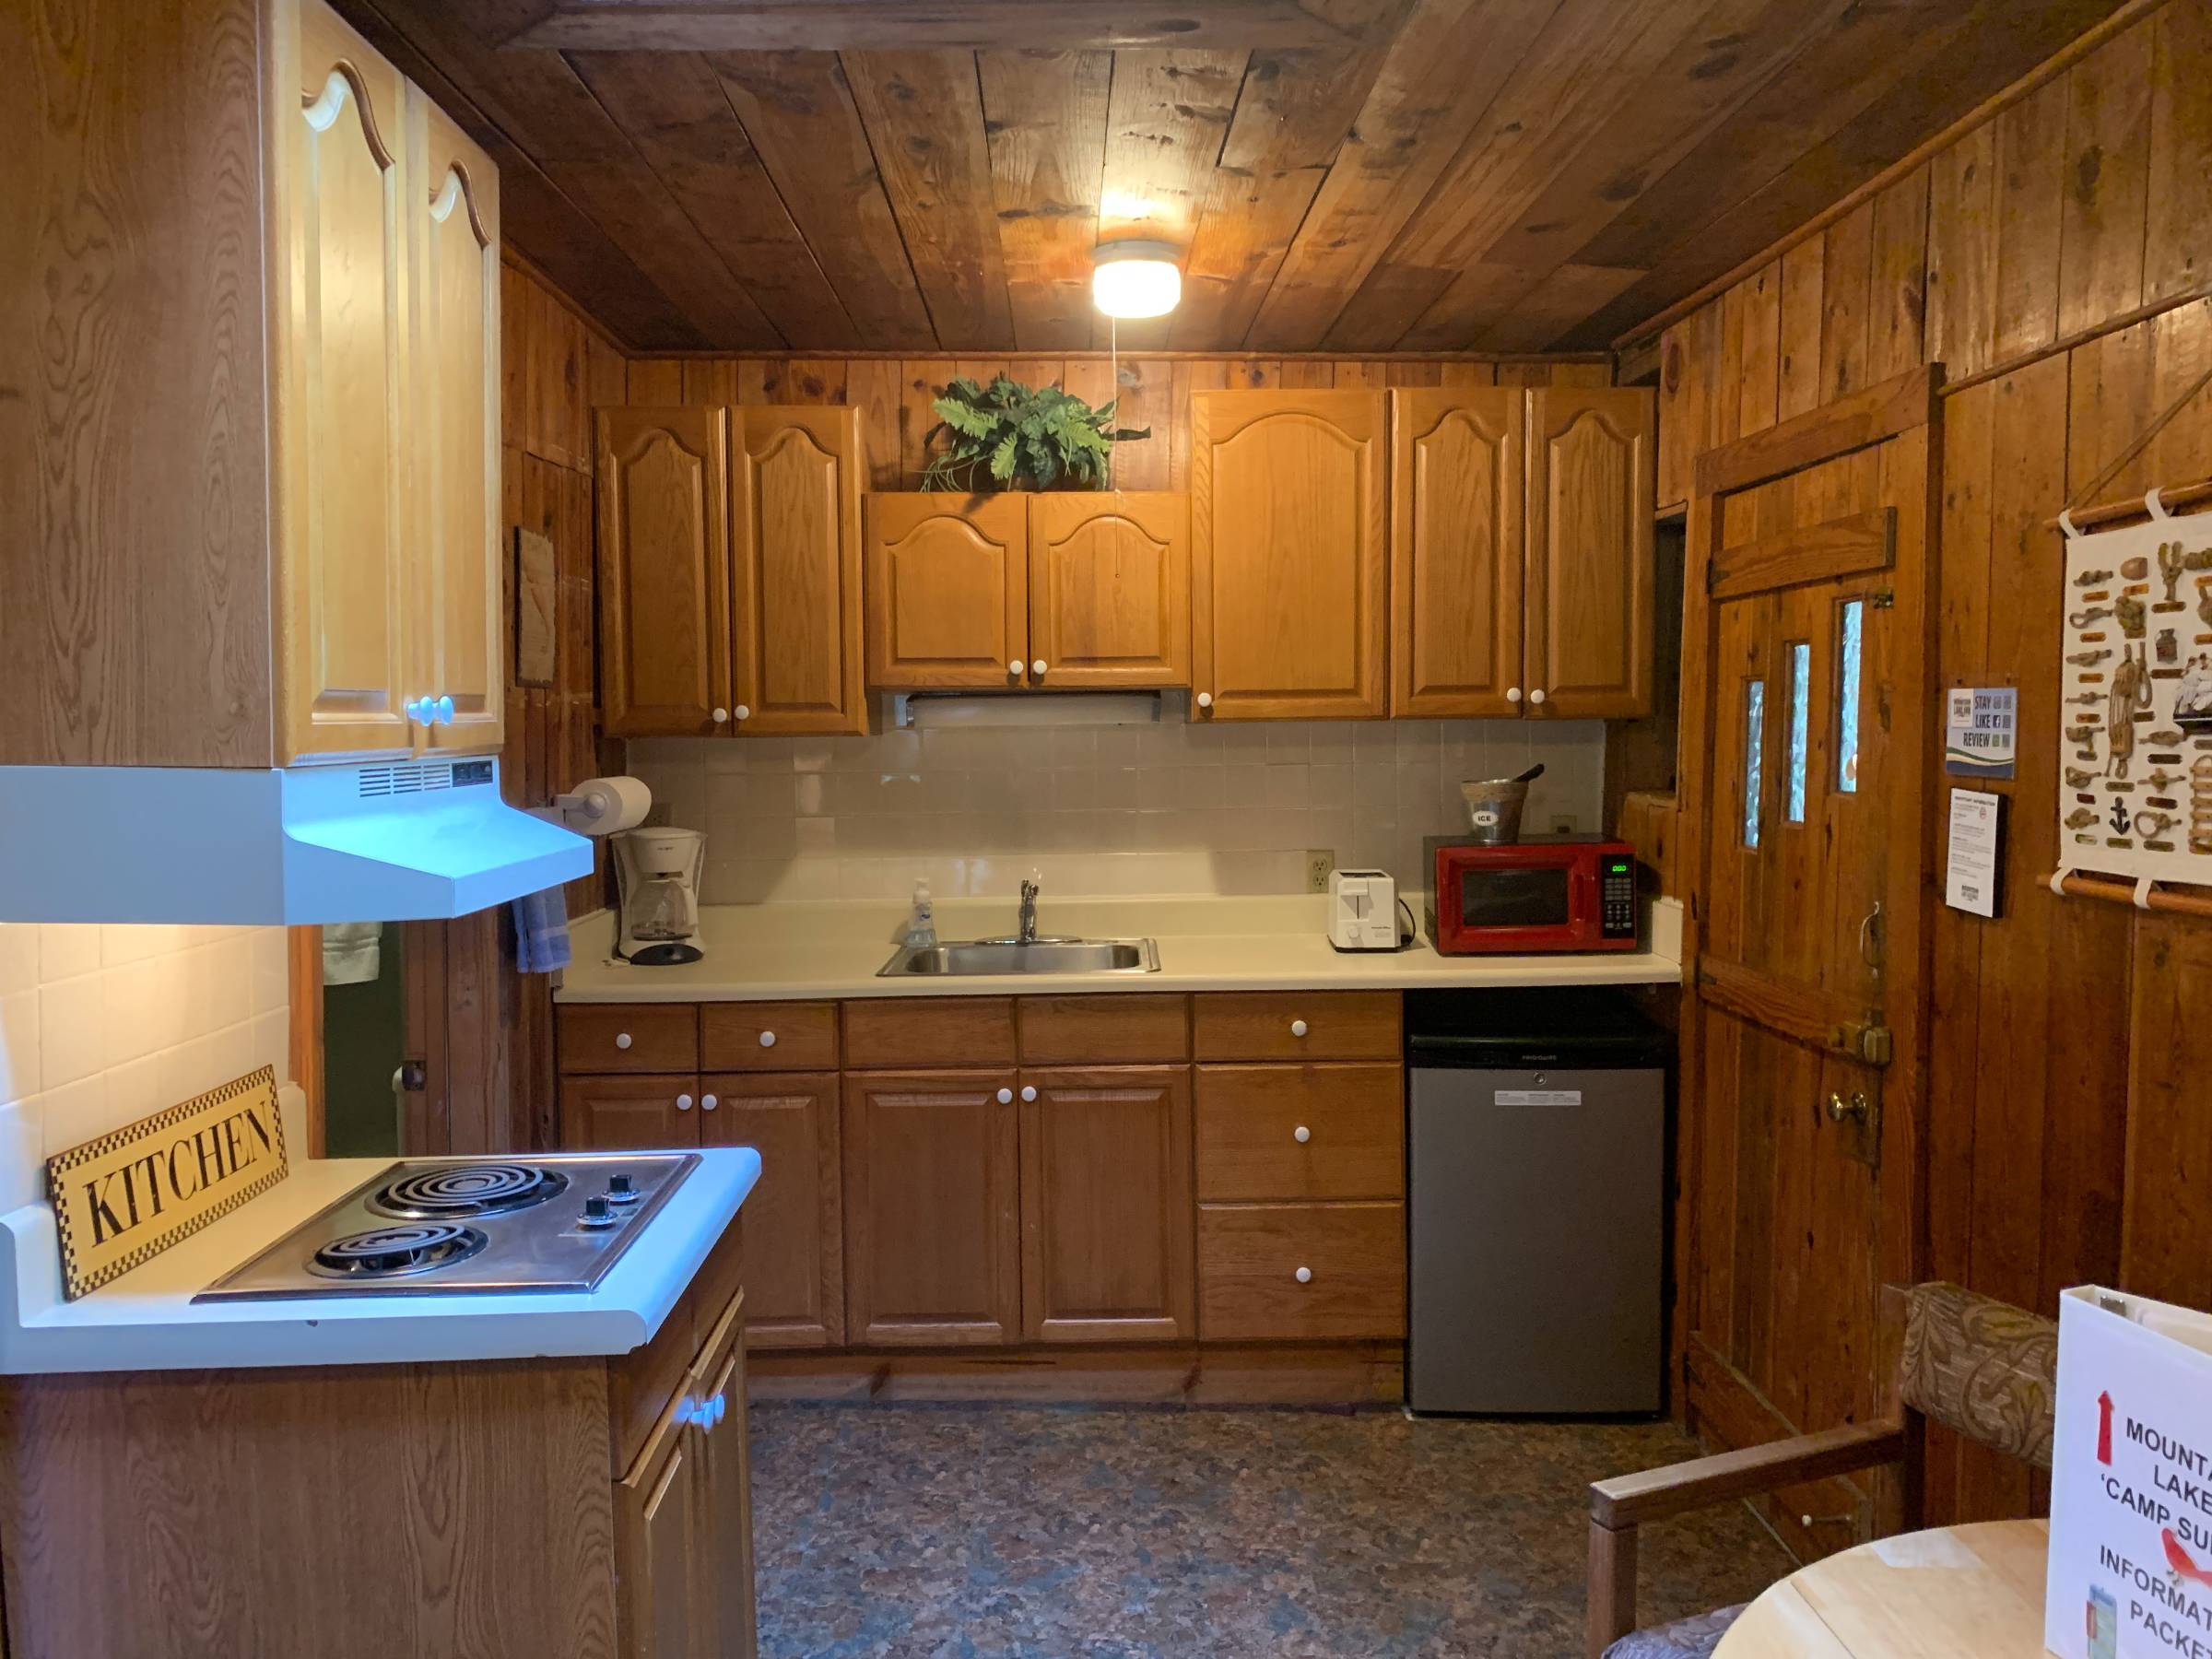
(1870, 1043)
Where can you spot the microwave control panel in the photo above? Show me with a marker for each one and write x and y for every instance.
(1617, 898)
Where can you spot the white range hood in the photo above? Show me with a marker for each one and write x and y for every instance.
(397, 841)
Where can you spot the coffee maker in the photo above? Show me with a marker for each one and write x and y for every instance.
(656, 881)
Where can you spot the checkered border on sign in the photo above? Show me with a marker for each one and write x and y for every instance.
(75, 1285)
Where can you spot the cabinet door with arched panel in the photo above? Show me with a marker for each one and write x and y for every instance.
(1456, 555)
(795, 570)
(455, 216)
(345, 202)
(1590, 556)
(948, 593)
(1110, 589)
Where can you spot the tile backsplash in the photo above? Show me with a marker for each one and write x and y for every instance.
(101, 1025)
(1098, 810)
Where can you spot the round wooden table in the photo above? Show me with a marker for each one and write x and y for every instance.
(1952, 1593)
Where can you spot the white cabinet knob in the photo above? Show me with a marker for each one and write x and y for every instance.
(1014, 666)
(683, 1103)
(720, 716)
(1535, 697)
(708, 1103)
(1028, 1092)
(1005, 1095)
(722, 1406)
(1305, 1276)
(743, 712)
(1298, 1028)
(768, 1040)
(1301, 1134)
(621, 1040)
(1037, 667)
(1512, 694)
(1206, 699)
(443, 710)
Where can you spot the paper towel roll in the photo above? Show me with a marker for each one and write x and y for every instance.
(602, 806)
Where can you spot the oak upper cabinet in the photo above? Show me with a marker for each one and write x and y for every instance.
(1110, 589)
(1588, 650)
(932, 1240)
(460, 654)
(1106, 1213)
(795, 558)
(1455, 550)
(663, 570)
(1288, 555)
(344, 410)
(948, 591)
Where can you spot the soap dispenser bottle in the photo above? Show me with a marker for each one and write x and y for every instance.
(921, 920)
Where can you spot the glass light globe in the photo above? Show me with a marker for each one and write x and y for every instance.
(1135, 279)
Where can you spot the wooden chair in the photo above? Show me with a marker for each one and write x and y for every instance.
(1987, 1370)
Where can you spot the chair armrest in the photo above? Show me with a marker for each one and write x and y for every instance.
(1632, 1500)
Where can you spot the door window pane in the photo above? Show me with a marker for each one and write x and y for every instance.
(1847, 697)
(1754, 743)
(1801, 714)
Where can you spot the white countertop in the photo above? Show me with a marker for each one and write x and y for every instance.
(145, 1320)
(771, 952)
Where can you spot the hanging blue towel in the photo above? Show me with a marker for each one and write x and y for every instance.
(541, 931)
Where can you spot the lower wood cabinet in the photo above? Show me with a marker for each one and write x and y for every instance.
(796, 1285)
(628, 1112)
(1106, 1204)
(1301, 1271)
(933, 1226)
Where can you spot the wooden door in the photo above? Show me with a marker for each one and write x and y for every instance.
(1288, 555)
(932, 1228)
(947, 592)
(1455, 550)
(1589, 553)
(344, 417)
(455, 232)
(664, 572)
(731, 1622)
(1110, 589)
(628, 1113)
(794, 592)
(1106, 1206)
(660, 1593)
(1808, 707)
(795, 1278)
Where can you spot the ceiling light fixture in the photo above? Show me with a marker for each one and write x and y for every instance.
(1136, 278)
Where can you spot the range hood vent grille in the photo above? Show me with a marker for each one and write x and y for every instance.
(409, 778)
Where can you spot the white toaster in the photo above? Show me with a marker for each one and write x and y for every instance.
(1363, 911)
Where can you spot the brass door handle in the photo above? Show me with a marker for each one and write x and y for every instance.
(1839, 1109)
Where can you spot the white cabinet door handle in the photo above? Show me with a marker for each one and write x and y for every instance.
(445, 710)
(722, 716)
(1535, 697)
(708, 1103)
(1301, 1134)
(1206, 699)
(683, 1103)
(1028, 1092)
(621, 1040)
(1305, 1276)
(1512, 694)
(1037, 667)
(1014, 668)
(1298, 1028)
(743, 712)
(768, 1040)
(1005, 1095)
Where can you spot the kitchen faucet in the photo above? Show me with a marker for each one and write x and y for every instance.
(1027, 932)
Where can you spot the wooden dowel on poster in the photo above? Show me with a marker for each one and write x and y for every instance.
(2183, 901)
(2175, 497)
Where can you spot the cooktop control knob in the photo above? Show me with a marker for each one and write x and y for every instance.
(598, 1211)
(620, 1189)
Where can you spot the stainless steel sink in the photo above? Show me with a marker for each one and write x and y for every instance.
(1040, 955)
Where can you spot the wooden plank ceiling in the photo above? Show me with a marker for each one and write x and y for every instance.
(1344, 175)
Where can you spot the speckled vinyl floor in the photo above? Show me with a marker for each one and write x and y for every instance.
(1108, 1532)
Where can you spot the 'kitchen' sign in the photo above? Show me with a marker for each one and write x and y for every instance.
(125, 1199)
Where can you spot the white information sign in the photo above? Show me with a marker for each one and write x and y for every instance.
(1970, 880)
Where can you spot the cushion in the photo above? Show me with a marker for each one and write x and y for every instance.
(1684, 1639)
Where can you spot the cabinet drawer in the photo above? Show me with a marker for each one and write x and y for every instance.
(1249, 1259)
(1125, 1030)
(903, 1032)
(627, 1037)
(792, 1036)
(1251, 1119)
(1296, 1025)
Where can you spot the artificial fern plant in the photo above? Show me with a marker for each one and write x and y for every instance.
(1009, 435)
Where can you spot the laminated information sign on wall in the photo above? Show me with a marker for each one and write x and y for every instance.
(2131, 1485)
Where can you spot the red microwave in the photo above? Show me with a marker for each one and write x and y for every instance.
(1571, 893)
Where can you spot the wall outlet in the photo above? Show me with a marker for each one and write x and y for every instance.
(1321, 862)
(1563, 824)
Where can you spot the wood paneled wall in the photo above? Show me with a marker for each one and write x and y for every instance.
(484, 1032)
(1153, 391)
(2060, 251)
